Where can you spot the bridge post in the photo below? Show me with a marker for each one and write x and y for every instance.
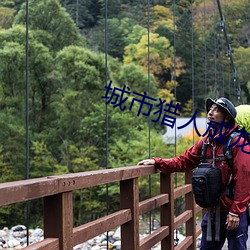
(167, 210)
(190, 205)
(129, 198)
(58, 219)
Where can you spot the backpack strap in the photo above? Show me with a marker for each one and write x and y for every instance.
(217, 207)
(203, 152)
(227, 150)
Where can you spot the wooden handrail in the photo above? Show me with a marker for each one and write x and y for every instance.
(58, 208)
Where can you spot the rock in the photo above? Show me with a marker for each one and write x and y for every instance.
(117, 234)
(111, 233)
(117, 244)
(18, 247)
(103, 243)
(23, 240)
(100, 238)
(38, 232)
(95, 248)
(111, 239)
(16, 238)
(81, 246)
(91, 242)
(13, 243)
(18, 234)
(3, 233)
(18, 228)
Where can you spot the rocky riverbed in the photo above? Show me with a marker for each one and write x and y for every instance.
(16, 238)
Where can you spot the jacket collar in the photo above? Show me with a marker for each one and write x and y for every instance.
(210, 138)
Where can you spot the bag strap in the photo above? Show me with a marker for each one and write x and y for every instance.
(209, 225)
(203, 152)
(217, 223)
(227, 150)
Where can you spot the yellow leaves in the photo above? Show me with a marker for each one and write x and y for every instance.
(160, 53)
(192, 135)
(165, 94)
(187, 110)
(203, 114)
(237, 4)
(171, 85)
(209, 15)
(179, 69)
(6, 17)
(161, 12)
(161, 16)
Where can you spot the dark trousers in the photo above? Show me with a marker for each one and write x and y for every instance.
(237, 238)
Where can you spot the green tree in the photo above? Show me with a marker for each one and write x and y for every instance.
(161, 16)
(53, 25)
(132, 75)
(13, 60)
(6, 17)
(42, 163)
(241, 56)
(117, 32)
(161, 57)
(84, 13)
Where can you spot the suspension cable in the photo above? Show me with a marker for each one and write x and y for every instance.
(222, 68)
(205, 50)
(149, 134)
(175, 96)
(215, 53)
(174, 75)
(229, 53)
(107, 120)
(27, 207)
(192, 76)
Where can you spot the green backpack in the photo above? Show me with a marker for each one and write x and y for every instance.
(243, 117)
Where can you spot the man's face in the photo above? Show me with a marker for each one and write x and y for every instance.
(215, 114)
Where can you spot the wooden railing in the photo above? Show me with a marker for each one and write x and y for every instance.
(59, 232)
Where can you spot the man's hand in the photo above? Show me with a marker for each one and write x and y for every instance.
(146, 162)
(232, 221)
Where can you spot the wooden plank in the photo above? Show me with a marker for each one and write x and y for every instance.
(190, 205)
(185, 244)
(154, 238)
(167, 210)
(182, 218)
(90, 230)
(198, 231)
(152, 203)
(198, 208)
(24, 190)
(178, 192)
(98, 177)
(58, 219)
(46, 244)
(129, 196)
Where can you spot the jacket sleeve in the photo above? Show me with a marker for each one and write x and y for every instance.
(241, 175)
(185, 162)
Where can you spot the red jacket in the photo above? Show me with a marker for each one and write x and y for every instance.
(241, 169)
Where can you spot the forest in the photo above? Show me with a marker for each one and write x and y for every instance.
(54, 75)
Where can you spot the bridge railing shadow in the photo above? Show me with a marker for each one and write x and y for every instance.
(56, 192)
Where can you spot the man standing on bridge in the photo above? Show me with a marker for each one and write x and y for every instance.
(233, 208)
